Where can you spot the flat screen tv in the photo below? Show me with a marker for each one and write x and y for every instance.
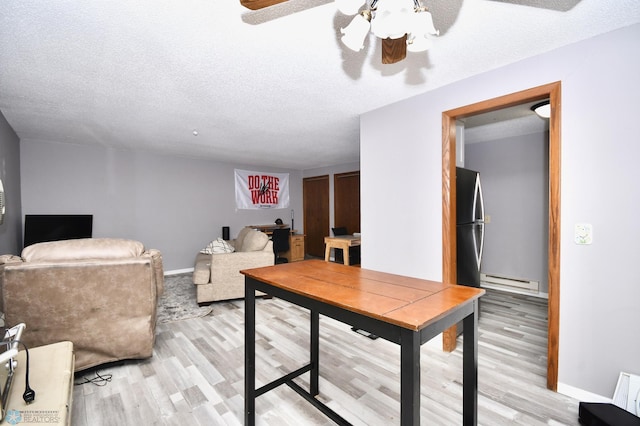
(39, 228)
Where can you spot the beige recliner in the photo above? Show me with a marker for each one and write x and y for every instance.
(99, 293)
(217, 275)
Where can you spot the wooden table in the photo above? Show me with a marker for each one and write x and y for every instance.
(340, 242)
(406, 311)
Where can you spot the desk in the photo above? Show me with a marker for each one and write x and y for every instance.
(406, 311)
(268, 229)
(340, 242)
(296, 241)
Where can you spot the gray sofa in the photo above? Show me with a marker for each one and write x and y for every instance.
(99, 293)
(217, 275)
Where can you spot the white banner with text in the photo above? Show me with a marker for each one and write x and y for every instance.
(258, 190)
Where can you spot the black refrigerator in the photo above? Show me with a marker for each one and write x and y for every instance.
(469, 226)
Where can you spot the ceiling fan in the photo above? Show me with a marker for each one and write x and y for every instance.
(394, 48)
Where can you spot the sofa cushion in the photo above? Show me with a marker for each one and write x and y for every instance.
(84, 248)
(254, 241)
(240, 238)
(218, 246)
(9, 258)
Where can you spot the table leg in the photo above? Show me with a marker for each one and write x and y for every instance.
(409, 378)
(249, 355)
(345, 255)
(470, 368)
(315, 350)
(327, 252)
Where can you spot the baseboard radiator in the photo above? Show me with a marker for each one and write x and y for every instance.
(510, 283)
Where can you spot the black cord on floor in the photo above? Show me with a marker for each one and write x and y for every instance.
(98, 380)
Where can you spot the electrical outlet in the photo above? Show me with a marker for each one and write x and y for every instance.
(583, 233)
(487, 218)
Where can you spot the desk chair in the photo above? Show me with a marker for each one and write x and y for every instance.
(280, 239)
(354, 252)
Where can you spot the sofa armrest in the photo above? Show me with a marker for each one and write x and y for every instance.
(202, 269)
(239, 258)
(158, 268)
(230, 264)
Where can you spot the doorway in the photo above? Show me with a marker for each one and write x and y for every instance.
(315, 201)
(449, 118)
(346, 200)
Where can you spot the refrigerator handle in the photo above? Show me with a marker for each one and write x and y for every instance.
(478, 246)
(481, 245)
(477, 197)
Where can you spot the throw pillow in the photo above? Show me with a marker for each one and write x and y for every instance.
(217, 246)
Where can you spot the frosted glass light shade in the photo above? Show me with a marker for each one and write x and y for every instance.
(419, 43)
(389, 25)
(355, 33)
(349, 7)
(422, 29)
(393, 18)
(422, 23)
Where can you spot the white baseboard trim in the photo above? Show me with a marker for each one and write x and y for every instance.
(485, 284)
(580, 394)
(178, 271)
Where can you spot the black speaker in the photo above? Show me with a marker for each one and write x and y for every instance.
(225, 233)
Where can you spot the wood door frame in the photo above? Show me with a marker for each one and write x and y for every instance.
(552, 92)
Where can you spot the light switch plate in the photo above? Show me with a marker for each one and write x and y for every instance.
(583, 233)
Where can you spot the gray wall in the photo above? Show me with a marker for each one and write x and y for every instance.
(599, 285)
(11, 229)
(173, 204)
(514, 174)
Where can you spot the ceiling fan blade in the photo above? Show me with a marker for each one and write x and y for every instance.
(559, 5)
(394, 49)
(256, 17)
(259, 4)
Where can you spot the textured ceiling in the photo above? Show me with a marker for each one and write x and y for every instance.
(271, 87)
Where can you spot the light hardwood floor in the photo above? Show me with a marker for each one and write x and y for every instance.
(196, 374)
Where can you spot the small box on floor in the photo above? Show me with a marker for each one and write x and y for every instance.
(603, 414)
(51, 377)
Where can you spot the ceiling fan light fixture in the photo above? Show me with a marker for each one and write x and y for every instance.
(354, 34)
(543, 109)
(402, 25)
(349, 7)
